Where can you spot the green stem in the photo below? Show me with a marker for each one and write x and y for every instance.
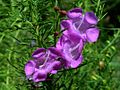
(9, 58)
(7, 78)
(56, 23)
(38, 36)
(116, 36)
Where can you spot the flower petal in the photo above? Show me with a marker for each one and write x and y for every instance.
(39, 76)
(54, 65)
(91, 18)
(54, 52)
(60, 43)
(38, 53)
(72, 35)
(30, 67)
(66, 51)
(53, 72)
(92, 34)
(76, 63)
(66, 24)
(74, 13)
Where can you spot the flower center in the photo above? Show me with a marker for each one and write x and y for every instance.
(78, 25)
(46, 60)
(75, 51)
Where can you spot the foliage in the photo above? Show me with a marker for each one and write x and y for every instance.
(28, 24)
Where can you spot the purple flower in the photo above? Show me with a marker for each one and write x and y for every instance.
(45, 62)
(83, 25)
(71, 48)
(74, 13)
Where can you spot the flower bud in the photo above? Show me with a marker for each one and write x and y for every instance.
(56, 8)
(63, 12)
(101, 65)
(56, 33)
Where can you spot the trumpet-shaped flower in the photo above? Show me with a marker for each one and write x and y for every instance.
(71, 48)
(45, 62)
(83, 25)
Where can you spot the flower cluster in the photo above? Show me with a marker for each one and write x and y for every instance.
(77, 30)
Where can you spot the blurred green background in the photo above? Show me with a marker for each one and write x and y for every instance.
(28, 24)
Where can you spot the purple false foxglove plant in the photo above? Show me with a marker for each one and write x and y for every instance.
(83, 25)
(78, 29)
(71, 48)
(45, 62)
